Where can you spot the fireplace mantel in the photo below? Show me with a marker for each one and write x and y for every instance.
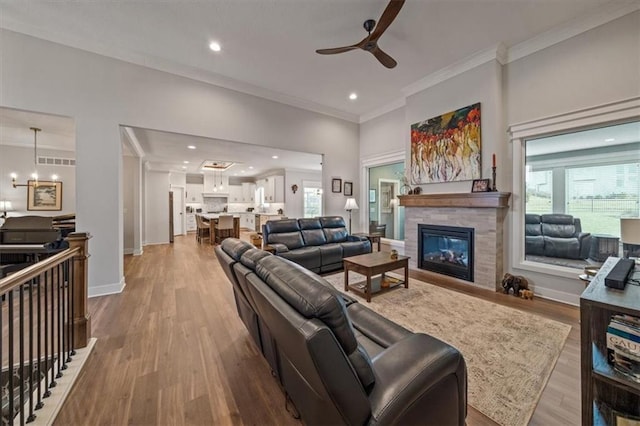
(497, 200)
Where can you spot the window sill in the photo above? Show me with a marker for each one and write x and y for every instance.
(554, 270)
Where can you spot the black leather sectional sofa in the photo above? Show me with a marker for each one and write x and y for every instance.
(556, 235)
(338, 361)
(319, 244)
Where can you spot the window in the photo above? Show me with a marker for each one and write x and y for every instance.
(312, 198)
(598, 180)
(593, 152)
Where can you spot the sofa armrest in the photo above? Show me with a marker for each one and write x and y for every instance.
(279, 248)
(419, 379)
(356, 238)
(585, 244)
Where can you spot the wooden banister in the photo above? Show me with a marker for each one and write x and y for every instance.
(78, 243)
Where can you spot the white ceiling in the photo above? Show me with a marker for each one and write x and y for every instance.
(268, 46)
(268, 49)
(168, 151)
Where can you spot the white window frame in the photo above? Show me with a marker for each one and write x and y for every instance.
(599, 116)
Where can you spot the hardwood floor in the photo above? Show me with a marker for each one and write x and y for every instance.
(171, 349)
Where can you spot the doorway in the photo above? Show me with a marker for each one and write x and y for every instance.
(178, 210)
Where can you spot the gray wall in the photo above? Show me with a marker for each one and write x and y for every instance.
(101, 94)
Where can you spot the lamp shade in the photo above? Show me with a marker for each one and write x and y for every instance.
(630, 230)
(351, 204)
(5, 206)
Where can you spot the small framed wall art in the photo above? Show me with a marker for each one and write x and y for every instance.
(348, 188)
(480, 185)
(336, 185)
(44, 195)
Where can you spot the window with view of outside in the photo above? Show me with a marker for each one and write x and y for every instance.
(592, 175)
(312, 199)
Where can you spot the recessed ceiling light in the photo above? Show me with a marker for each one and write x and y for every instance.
(185, 162)
(214, 46)
(251, 167)
(353, 96)
(275, 157)
(610, 140)
(241, 171)
(191, 147)
(184, 167)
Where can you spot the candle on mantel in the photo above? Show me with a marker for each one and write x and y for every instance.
(494, 160)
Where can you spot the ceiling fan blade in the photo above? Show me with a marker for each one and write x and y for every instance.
(389, 14)
(384, 59)
(337, 50)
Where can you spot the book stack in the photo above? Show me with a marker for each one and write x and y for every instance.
(623, 345)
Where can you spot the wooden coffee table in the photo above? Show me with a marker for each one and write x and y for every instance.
(371, 264)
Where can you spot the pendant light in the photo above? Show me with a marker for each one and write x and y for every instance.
(34, 175)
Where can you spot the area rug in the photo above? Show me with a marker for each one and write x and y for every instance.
(509, 353)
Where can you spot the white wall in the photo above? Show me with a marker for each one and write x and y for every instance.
(19, 160)
(386, 133)
(593, 68)
(596, 67)
(129, 169)
(294, 206)
(157, 207)
(482, 84)
(102, 93)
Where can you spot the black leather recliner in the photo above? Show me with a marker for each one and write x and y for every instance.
(556, 235)
(319, 244)
(338, 361)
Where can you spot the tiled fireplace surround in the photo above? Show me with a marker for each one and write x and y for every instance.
(485, 212)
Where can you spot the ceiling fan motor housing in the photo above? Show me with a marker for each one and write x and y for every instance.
(369, 25)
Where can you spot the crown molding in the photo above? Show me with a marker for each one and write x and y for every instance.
(392, 106)
(457, 68)
(600, 16)
(133, 142)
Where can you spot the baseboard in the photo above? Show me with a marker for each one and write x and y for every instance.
(104, 290)
(47, 414)
(557, 296)
(127, 251)
(138, 252)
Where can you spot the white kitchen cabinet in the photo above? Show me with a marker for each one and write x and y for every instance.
(194, 193)
(215, 181)
(248, 220)
(274, 189)
(235, 194)
(278, 189)
(249, 192)
(191, 222)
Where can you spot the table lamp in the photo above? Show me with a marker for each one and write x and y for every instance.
(630, 236)
(350, 205)
(5, 206)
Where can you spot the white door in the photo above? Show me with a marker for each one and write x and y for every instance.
(178, 210)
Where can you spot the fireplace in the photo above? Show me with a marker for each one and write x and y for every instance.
(447, 250)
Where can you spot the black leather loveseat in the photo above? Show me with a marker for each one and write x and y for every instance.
(338, 361)
(319, 244)
(556, 235)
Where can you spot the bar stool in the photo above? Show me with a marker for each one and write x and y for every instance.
(224, 228)
(203, 229)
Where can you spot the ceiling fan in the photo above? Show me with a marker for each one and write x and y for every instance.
(370, 42)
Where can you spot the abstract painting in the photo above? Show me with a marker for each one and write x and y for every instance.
(447, 148)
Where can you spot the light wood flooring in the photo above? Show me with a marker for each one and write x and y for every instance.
(172, 350)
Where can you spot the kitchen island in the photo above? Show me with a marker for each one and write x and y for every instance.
(213, 220)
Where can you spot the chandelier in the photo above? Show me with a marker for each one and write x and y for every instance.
(33, 182)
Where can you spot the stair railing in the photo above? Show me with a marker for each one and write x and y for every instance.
(43, 319)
